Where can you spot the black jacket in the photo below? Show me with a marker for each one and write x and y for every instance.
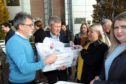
(77, 39)
(9, 35)
(39, 35)
(93, 60)
(117, 72)
(62, 36)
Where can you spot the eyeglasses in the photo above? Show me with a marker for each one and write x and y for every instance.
(29, 25)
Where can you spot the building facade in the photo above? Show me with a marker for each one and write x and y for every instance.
(38, 8)
(73, 12)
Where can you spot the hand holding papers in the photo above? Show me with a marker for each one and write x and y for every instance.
(51, 59)
(62, 67)
(65, 55)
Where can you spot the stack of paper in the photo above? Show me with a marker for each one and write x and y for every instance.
(66, 56)
(64, 82)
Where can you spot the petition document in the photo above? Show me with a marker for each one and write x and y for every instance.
(66, 56)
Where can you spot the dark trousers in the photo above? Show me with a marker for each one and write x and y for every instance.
(32, 82)
(54, 76)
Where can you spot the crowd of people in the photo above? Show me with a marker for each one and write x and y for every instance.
(101, 60)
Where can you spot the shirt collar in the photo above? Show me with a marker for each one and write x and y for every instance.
(54, 36)
(20, 35)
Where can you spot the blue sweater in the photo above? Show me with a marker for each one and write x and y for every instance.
(21, 60)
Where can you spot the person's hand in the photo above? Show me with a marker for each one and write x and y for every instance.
(71, 44)
(96, 78)
(63, 67)
(92, 82)
(51, 59)
(78, 47)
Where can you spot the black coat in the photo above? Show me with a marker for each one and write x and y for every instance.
(68, 35)
(39, 35)
(62, 36)
(117, 72)
(77, 39)
(9, 35)
(93, 60)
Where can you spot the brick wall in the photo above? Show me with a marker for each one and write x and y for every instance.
(59, 8)
(37, 8)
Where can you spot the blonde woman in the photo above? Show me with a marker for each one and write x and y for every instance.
(114, 66)
(93, 56)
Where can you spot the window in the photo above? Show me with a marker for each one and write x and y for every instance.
(79, 20)
(13, 2)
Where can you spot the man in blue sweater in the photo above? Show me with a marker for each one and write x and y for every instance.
(20, 54)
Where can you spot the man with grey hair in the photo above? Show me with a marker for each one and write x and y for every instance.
(55, 33)
(20, 55)
(107, 24)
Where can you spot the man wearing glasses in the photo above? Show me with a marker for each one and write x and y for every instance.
(20, 54)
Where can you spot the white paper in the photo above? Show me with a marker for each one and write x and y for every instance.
(66, 56)
(2, 45)
(57, 45)
(64, 82)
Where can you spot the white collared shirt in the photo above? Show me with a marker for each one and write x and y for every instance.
(20, 35)
(55, 37)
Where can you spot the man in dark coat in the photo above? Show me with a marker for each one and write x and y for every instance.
(56, 33)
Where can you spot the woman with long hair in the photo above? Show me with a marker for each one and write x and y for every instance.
(114, 67)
